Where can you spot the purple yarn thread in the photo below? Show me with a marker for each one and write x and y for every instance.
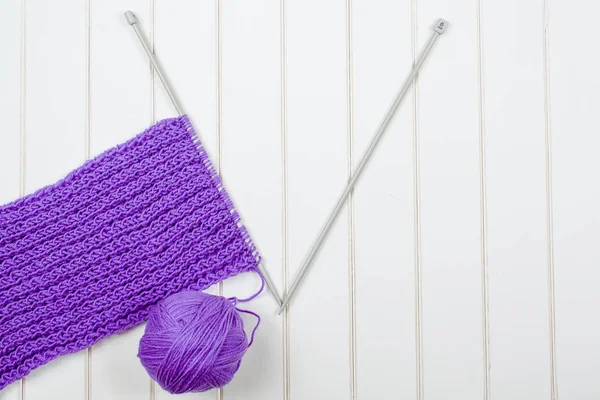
(195, 341)
(88, 257)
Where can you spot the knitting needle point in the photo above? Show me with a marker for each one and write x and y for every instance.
(438, 29)
(133, 21)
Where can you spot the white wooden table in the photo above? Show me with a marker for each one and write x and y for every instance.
(466, 265)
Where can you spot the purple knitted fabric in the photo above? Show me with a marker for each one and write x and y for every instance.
(88, 256)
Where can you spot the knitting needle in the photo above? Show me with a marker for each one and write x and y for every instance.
(438, 29)
(133, 21)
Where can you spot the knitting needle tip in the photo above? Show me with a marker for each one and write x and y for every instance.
(131, 18)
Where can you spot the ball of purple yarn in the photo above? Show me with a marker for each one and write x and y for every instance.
(193, 342)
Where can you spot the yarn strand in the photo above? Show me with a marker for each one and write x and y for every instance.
(255, 326)
(236, 300)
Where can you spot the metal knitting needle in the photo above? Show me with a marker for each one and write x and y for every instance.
(133, 21)
(438, 29)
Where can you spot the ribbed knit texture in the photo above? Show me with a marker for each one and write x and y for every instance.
(87, 257)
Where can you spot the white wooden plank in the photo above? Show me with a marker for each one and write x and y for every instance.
(10, 99)
(574, 83)
(10, 117)
(55, 132)
(317, 171)
(384, 203)
(448, 135)
(185, 43)
(120, 108)
(516, 195)
(251, 167)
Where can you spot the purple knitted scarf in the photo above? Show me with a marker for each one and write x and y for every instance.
(88, 256)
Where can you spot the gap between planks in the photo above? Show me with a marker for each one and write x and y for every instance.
(483, 210)
(284, 222)
(417, 215)
(549, 200)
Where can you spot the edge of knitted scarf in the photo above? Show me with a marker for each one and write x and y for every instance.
(219, 182)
